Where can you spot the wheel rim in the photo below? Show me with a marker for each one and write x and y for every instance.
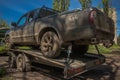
(20, 64)
(48, 44)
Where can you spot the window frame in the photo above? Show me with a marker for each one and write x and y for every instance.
(26, 15)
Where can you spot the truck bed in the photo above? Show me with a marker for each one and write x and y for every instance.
(76, 65)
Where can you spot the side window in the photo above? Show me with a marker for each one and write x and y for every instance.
(45, 12)
(22, 21)
(30, 17)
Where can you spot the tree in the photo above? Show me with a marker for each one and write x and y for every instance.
(3, 23)
(61, 5)
(85, 3)
(56, 4)
(105, 6)
(108, 10)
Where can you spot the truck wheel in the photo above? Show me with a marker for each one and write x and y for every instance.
(50, 44)
(23, 63)
(79, 49)
(7, 42)
(12, 60)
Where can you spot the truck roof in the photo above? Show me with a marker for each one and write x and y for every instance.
(45, 8)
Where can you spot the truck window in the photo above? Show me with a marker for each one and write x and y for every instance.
(31, 17)
(22, 21)
(44, 12)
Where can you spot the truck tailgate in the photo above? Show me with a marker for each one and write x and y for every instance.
(104, 23)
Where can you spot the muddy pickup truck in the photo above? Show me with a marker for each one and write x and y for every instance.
(51, 31)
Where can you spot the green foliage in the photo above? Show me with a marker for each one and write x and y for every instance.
(3, 48)
(85, 3)
(3, 23)
(105, 6)
(61, 5)
(99, 6)
(24, 48)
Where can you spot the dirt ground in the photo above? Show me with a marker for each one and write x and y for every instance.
(108, 71)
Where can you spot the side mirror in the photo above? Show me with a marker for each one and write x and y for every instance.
(13, 24)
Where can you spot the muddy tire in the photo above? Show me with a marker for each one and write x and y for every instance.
(12, 60)
(50, 45)
(79, 49)
(23, 63)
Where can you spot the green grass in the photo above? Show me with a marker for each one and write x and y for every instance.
(3, 48)
(103, 49)
(24, 47)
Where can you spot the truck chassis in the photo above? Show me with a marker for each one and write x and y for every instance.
(72, 66)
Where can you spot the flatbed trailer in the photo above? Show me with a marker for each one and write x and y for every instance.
(72, 66)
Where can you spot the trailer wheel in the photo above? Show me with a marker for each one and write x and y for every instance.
(50, 44)
(23, 63)
(79, 49)
(12, 60)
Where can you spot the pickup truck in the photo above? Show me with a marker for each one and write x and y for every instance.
(51, 31)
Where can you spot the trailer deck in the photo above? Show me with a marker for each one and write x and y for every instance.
(76, 65)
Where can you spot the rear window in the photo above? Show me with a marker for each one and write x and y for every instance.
(46, 12)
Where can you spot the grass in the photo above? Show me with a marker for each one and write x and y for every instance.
(3, 48)
(103, 49)
(24, 47)
(92, 49)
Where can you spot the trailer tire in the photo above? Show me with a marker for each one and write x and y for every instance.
(12, 60)
(79, 49)
(23, 63)
(50, 44)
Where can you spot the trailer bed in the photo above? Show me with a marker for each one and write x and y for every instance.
(76, 65)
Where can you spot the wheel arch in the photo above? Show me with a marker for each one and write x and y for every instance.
(49, 29)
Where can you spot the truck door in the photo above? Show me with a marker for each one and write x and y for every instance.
(28, 30)
(18, 30)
